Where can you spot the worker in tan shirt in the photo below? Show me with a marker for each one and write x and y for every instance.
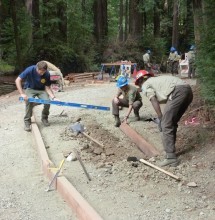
(131, 99)
(177, 95)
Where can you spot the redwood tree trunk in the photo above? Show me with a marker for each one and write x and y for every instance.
(100, 20)
(126, 21)
(121, 21)
(135, 20)
(156, 19)
(19, 64)
(197, 18)
(175, 24)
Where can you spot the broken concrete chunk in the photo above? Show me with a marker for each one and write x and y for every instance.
(192, 184)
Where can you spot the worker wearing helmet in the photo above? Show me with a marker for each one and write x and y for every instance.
(177, 95)
(173, 60)
(191, 60)
(146, 60)
(131, 99)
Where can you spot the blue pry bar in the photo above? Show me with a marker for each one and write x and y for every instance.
(70, 104)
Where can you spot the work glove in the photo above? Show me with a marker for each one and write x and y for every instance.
(158, 122)
(125, 119)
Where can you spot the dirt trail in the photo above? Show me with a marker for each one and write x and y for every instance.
(119, 189)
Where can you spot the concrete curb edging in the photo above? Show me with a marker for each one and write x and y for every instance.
(74, 199)
(143, 145)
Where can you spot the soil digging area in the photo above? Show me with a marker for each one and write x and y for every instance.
(119, 189)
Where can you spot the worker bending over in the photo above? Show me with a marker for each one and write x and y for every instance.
(131, 99)
(37, 84)
(177, 95)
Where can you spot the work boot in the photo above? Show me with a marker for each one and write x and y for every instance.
(137, 117)
(173, 162)
(117, 121)
(45, 122)
(27, 127)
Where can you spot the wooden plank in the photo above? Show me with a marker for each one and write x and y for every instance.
(141, 143)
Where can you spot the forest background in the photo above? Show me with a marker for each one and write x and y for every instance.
(78, 35)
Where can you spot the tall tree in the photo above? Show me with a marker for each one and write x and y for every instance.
(100, 20)
(19, 63)
(197, 18)
(157, 18)
(175, 24)
(135, 19)
(121, 21)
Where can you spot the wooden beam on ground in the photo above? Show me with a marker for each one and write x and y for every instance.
(141, 143)
(74, 199)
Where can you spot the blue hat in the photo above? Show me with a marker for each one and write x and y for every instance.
(122, 81)
(172, 49)
(192, 47)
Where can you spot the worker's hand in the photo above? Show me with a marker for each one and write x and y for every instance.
(125, 119)
(24, 96)
(55, 99)
(116, 100)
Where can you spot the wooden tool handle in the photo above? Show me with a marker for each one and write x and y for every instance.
(93, 139)
(160, 169)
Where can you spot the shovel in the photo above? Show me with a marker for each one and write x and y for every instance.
(154, 166)
(79, 128)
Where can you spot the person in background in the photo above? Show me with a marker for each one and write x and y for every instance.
(131, 99)
(53, 70)
(37, 84)
(173, 60)
(177, 95)
(146, 60)
(191, 60)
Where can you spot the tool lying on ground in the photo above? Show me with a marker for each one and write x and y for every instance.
(56, 175)
(79, 128)
(79, 159)
(70, 104)
(154, 166)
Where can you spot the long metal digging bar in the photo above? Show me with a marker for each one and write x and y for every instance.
(79, 159)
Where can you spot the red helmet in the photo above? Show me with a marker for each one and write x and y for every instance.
(142, 73)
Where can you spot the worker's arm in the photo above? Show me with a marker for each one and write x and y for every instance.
(18, 82)
(157, 109)
(128, 113)
(50, 93)
(156, 106)
(116, 98)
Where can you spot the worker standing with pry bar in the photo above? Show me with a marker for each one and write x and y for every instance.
(131, 99)
(177, 95)
(37, 84)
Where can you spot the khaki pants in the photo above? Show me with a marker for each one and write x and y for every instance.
(41, 94)
(124, 103)
(182, 96)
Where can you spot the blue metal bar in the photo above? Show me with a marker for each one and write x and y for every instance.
(70, 104)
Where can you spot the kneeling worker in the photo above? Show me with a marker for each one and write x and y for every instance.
(177, 95)
(131, 99)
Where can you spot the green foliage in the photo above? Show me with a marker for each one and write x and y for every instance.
(206, 55)
(5, 67)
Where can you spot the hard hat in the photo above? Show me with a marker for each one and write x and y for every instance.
(172, 49)
(192, 47)
(142, 74)
(149, 51)
(122, 81)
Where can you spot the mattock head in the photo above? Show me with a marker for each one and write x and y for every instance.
(77, 127)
